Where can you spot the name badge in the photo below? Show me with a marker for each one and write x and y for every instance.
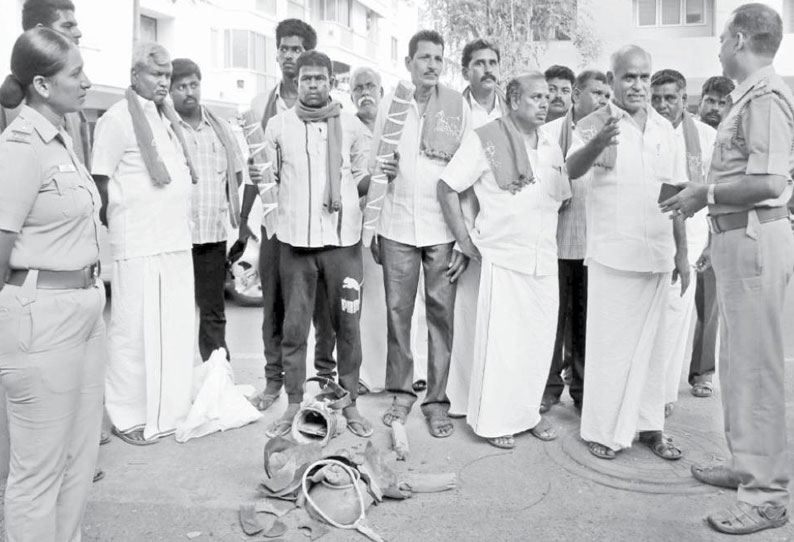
(67, 168)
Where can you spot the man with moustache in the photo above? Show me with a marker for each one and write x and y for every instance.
(143, 172)
(215, 201)
(517, 172)
(481, 68)
(560, 80)
(366, 92)
(629, 150)
(695, 142)
(321, 156)
(411, 232)
(590, 91)
(752, 252)
(713, 107)
(293, 37)
(714, 103)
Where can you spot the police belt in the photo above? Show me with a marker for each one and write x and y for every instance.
(58, 280)
(736, 221)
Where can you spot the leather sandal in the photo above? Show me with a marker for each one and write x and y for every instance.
(661, 445)
(744, 518)
(397, 411)
(507, 442)
(544, 431)
(716, 475)
(600, 451)
(702, 389)
(437, 421)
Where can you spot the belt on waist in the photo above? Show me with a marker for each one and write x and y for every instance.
(58, 280)
(736, 221)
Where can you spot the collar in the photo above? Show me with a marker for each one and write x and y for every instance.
(204, 119)
(653, 117)
(47, 131)
(752, 80)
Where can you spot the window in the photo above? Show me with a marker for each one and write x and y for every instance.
(266, 6)
(335, 10)
(296, 9)
(788, 16)
(394, 49)
(670, 12)
(246, 50)
(148, 28)
(217, 48)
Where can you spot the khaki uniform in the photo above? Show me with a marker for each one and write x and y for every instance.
(52, 341)
(753, 266)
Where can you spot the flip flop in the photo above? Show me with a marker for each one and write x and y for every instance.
(544, 431)
(600, 451)
(438, 420)
(419, 385)
(98, 475)
(508, 442)
(702, 389)
(360, 427)
(279, 428)
(662, 446)
(743, 518)
(396, 410)
(716, 475)
(129, 440)
(262, 401)
(104, 438)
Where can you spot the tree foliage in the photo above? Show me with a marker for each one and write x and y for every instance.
(521, 28)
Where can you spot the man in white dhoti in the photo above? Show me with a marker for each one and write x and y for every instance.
(631, 249)
(144, 178)
(480, 61)
(695, 141)
(517, 174)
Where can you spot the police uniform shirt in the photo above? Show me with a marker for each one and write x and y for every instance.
(756, 137)
(47, 197)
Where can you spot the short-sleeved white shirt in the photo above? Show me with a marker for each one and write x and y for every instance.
(625, 228)
(143, 219)
(515, 231)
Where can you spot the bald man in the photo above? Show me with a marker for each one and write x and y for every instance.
(627, 150)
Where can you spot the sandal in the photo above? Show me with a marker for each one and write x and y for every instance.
(544, 431)
(131, 437)
(98, 475)
(356, 423)
(279, 428)
(716, 475)
(702, 389)
(263, 400)
(600, 451)
(507, 442)
(419, 385)
(661, 445)
(743, 518)
(397, 411)
(668, 409)
(439, 424)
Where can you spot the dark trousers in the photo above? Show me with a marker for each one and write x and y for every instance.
(209, 274)
(401, 265)
(703, 360)
(273, 320)
(571, 319)
(339, 272)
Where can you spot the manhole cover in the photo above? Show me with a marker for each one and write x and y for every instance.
(638, 469)
(489, 476)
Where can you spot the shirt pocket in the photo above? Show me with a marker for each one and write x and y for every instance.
(74, 198)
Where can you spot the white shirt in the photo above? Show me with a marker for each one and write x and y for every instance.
(143, 219)
(481, 117)
(572, 225)
(697, 227)
(625, 228)
(411, 213)
(514, 231)
(301, 150)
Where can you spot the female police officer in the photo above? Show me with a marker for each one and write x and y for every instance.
(52, 335)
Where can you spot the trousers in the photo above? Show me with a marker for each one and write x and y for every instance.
(401, 266)
(752, 268)
(209, 274)
(53, 352)
(704, 345)
(273, 320)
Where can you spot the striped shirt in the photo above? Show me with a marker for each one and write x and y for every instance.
(298, 151)
(210, 206)
(571, 226)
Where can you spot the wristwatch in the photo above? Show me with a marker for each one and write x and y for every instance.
(710, 195)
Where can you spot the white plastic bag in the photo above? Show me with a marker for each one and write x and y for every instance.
(218, 404)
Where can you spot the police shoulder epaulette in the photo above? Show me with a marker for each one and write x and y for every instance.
(19, 132)
(762, 88)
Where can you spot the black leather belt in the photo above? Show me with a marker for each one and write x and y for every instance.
(58, 280)
(736, 221)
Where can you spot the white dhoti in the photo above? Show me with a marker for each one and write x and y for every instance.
(625, 381)
(675, 344)
(463, 339)
(513, 343)
(151, 342)
(373, 328)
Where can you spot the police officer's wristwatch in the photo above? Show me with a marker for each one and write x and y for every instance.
(710, 195)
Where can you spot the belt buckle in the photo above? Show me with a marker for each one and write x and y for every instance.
(714, 227)
(90, 275)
